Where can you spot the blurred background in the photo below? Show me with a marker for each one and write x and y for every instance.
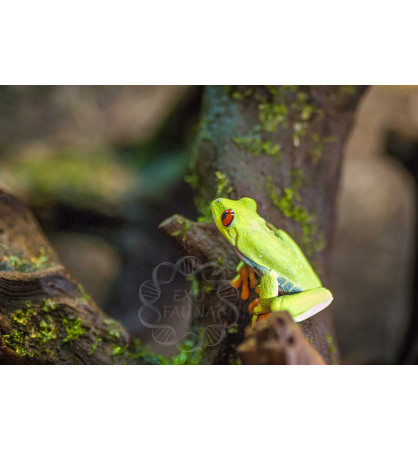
(102, 166)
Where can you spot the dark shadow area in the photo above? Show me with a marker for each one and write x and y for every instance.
(405, 150)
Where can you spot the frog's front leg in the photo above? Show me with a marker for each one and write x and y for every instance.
(246, 278)
(269, 288)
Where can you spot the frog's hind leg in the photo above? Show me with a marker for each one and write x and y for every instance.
(303, 305)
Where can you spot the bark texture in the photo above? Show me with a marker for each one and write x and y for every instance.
(45, 316)
(283, 147)
(277, 341)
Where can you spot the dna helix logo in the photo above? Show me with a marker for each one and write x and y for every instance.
(189, 267)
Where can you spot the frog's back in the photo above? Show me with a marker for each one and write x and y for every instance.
(295, 273)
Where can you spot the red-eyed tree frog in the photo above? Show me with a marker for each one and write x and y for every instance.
(286, 279)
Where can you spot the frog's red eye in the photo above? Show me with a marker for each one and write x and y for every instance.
(227, 217)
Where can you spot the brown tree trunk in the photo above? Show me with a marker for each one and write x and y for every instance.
(281, 146)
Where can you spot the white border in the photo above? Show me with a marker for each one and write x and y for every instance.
(217, 42)
(324, 408)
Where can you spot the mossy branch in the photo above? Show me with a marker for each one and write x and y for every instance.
(45, 316)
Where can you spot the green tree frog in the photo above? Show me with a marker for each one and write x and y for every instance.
(286, 279)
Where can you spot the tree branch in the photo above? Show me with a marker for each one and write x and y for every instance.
(277, 341)
(45, 316)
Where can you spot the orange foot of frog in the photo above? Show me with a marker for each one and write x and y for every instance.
(246, 278)
(257, 318)
(253, 305)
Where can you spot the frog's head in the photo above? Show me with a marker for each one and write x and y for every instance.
(232, 215)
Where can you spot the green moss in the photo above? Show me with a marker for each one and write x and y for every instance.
(18, 263)
(271, 115)
(134, 353)
(194, 286)
(187, 354)
(204, 128)
(23, 316)
(222, 184)
(318, 145)
(237, 95)
(119, 350)
(299, 130)
(46, 332)
(17, 341)
(36, 328)
(233, 329)
(331, 347)
(208, 287)
(15, 263)
(286, 202)
(73, 329)
(292, 107)
(227, 89)
(198, 285)
(192, 180)
(186, 224)
(142, 354)
(95, 344)
(274, 109)
(205, 135)
(348, 90)
(254, 144)
(48, 305)
(114, 329)
(124, 353)
(41, 261)
(29, 329)
(85, 296)
(204, 131)
(289, 107)
(223, 189)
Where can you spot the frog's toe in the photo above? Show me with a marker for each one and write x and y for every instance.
(242, 280)
(263, 307)
(257, 318)
(253, 279)
(236, 281)
(253, 305)
(245, 279)
(263, 317)
(245, 292)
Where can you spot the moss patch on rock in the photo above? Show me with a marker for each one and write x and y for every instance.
(19, 263)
